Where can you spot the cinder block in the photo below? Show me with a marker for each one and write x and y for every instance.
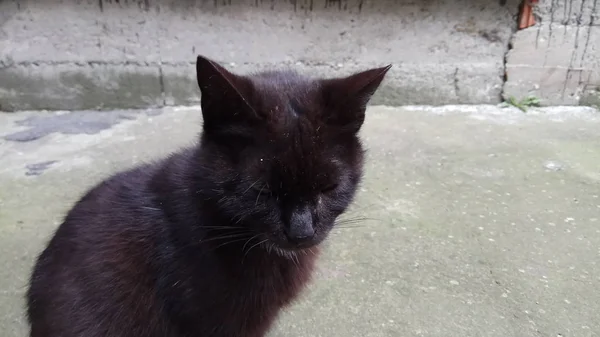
(67, 87)
(553, 62)
(569, 12)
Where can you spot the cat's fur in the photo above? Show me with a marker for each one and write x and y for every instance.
(216, 239)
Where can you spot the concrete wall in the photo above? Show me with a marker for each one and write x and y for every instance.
(84, 54)
(558, 60)
(77, 54)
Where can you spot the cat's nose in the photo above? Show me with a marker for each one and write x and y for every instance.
(300, 227)
(300, 236)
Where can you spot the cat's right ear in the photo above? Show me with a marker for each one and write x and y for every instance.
(347, 97)
(224, 98)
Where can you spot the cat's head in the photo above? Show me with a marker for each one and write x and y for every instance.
(281, 150)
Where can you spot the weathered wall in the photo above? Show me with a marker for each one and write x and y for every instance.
(79, 54)
(558, 60)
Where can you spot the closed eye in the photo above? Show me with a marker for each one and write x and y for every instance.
(329, 188)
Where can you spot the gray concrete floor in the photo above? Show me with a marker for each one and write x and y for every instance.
(483, 221)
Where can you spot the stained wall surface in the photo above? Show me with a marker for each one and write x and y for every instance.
(78, 54)
(100, 54)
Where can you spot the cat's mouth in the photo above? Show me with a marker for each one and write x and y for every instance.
(293, 246)
(286, 251)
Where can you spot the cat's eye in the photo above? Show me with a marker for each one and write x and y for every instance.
(329, 188)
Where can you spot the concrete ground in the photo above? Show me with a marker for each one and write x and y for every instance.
(483, 221)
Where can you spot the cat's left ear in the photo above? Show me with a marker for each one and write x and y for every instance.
(225, 99)
(346, 98)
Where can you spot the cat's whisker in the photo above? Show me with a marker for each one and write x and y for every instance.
(250, 239)
(361, 205)
(341, 229)
(240, 218)
(350, 223)
(348, 227)
(291, 256)
(353, 222)
(248, 189)
(228, 242)
(224, 227)
(235, 235)
(288, 254)
(373, 219)
(259, 192)
(357, 223)
(346, 218)
(249, 249)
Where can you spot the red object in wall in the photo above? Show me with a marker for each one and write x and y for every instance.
(526, 18)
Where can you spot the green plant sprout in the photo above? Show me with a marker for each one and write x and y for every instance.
(525, 103)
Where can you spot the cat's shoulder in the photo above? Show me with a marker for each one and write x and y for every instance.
(133, 186)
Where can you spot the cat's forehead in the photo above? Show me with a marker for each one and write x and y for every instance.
(284, 80)
(283, 94)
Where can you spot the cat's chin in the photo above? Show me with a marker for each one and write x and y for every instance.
(288, 253)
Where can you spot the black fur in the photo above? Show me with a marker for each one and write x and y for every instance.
(216, 239)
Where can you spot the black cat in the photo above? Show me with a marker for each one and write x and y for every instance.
(216, 239)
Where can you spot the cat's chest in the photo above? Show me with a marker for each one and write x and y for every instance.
(275, 283)
(247, 295)
(261, 294)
